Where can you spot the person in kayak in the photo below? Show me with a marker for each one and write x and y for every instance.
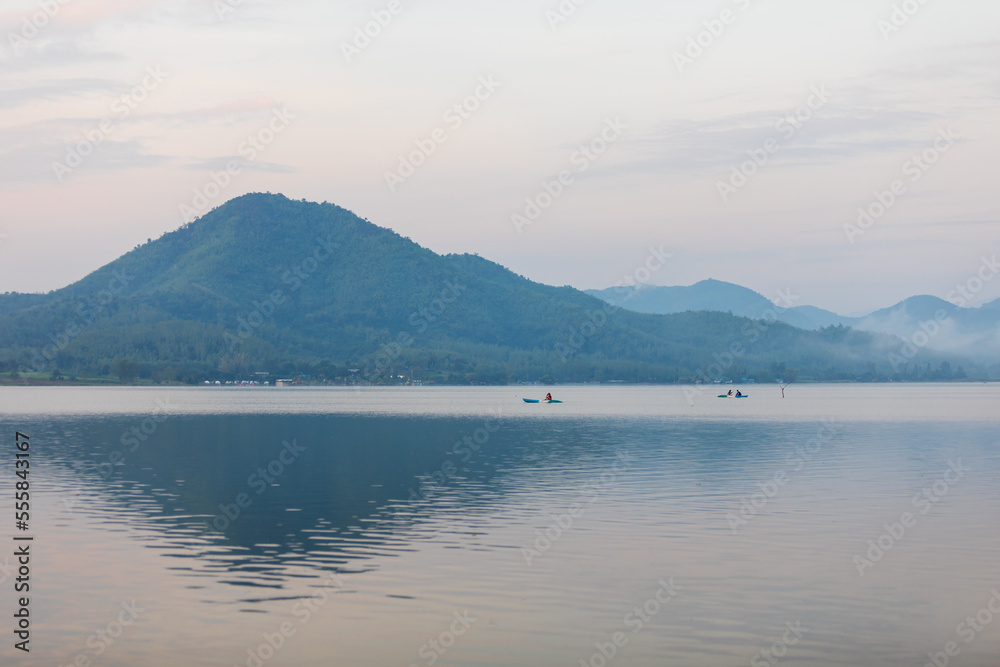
(730, 393)
(738, 394)
(548, 397)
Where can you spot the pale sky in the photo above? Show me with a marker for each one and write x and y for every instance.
(201, 76)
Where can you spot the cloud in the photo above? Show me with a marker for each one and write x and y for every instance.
(74, 14)
(57, 88)
(887, 110)
(36, 163)
(28, 153)
(968, 66)
(832, 133)
(223, 162)
(45, 53)
(228, 113)
(55, 34)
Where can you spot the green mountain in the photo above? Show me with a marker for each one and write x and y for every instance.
(264, 283)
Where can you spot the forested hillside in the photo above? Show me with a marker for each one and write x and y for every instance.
(264, 283)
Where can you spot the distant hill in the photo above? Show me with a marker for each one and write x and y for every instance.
(972, 332)
(716, 295)
(969, 332)
(264, 283)
(810, 317)
(705, 295)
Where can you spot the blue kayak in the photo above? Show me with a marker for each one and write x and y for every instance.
(535, 400)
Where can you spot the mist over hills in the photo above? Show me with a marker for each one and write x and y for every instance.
(268, 284)
(972, 333)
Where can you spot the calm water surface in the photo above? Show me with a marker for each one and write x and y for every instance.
(841, 525)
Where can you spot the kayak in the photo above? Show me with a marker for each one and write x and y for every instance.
(742, 396)
(535, 400)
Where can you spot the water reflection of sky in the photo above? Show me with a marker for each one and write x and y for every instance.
(419, 529)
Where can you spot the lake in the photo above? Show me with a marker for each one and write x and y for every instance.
(839, 525)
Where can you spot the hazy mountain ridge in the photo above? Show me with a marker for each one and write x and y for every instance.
(970, 332)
